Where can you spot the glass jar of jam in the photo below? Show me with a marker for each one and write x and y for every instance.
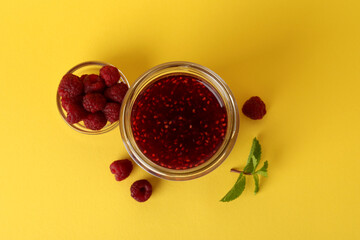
(179, 121)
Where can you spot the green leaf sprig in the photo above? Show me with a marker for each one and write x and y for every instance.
(249, 169)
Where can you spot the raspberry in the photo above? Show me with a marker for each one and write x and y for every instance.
(76, 113)
(70, 86)
(66, 101)
(82, 78)
(141, 190)
(94, 102)
(95, 121)
(117, 92)
(93, 83)
(121, 169)
(254, 108)
(112, 112)
(110, 74)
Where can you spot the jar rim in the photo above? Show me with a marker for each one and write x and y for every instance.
(206, 75)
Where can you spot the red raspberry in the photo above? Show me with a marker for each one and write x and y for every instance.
(112, 112)
(93, 83)
(117, 92)
(76, 113)
(82, 78)
(110, 74)
(254, 108)
(95, 121)
(94, 102)
(70, 86)
(66, 101)
(141, 190)
(121, 169)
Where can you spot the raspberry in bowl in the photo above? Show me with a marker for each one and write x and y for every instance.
(82, 100)
(179, 121)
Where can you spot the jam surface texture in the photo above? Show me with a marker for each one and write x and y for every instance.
(179, 121)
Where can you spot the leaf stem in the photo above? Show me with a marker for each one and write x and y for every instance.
(237, 171)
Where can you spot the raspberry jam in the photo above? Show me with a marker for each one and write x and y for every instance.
(179, 121)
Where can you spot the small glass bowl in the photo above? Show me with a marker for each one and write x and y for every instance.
(207, 76)
(91, 67)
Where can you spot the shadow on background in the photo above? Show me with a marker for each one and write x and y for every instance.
(155, 183)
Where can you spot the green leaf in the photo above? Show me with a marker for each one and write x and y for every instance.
(264, 167)
(255, 162)
(236, 190)
(255, 152)
(262, 173)
(256, 179)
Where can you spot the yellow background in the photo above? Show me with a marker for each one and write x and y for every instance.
(301, 57)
